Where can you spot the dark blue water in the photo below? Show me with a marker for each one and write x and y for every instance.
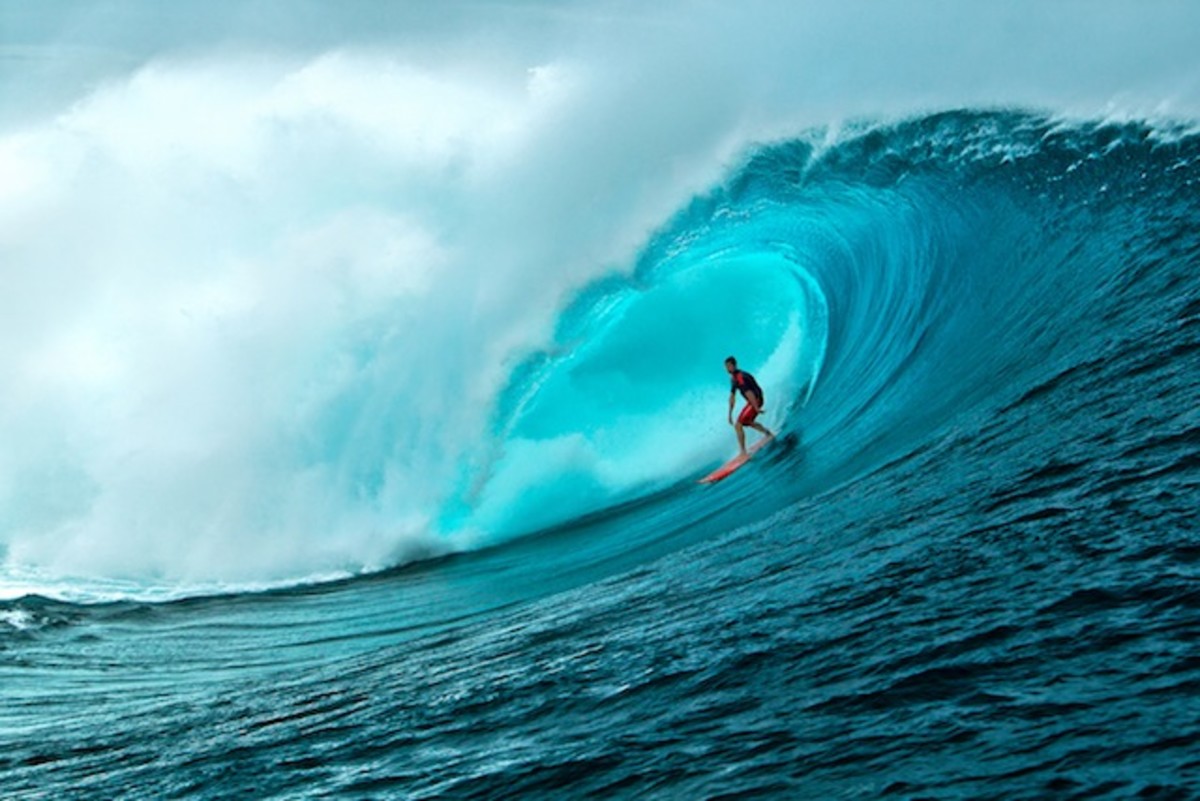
(969, 568)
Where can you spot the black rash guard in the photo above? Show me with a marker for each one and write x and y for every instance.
(744, 382)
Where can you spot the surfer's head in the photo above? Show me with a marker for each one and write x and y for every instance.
(731, 364)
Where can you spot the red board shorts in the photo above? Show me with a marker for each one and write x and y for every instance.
(747, 416)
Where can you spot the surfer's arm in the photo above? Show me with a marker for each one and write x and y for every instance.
(732, 395)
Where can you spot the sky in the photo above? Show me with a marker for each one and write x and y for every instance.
(863, 55)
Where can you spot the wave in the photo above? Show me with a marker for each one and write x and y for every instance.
(883, 283)
(413, 295)
(916, 269)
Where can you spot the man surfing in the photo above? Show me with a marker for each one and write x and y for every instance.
(744, 382)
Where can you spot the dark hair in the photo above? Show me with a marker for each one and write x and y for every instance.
(732, 361)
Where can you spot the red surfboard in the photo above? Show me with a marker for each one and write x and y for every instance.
(727, 469)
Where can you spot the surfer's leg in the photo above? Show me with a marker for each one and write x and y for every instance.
(763, 429)
(741, 435)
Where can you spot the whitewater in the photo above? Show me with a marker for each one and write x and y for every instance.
(359, 366)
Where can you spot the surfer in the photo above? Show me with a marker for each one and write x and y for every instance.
(744, 382)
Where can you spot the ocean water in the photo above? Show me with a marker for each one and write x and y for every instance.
(360, 368)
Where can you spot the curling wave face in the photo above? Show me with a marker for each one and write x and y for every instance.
(887, 284)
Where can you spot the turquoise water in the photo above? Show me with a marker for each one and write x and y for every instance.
(360, 491)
